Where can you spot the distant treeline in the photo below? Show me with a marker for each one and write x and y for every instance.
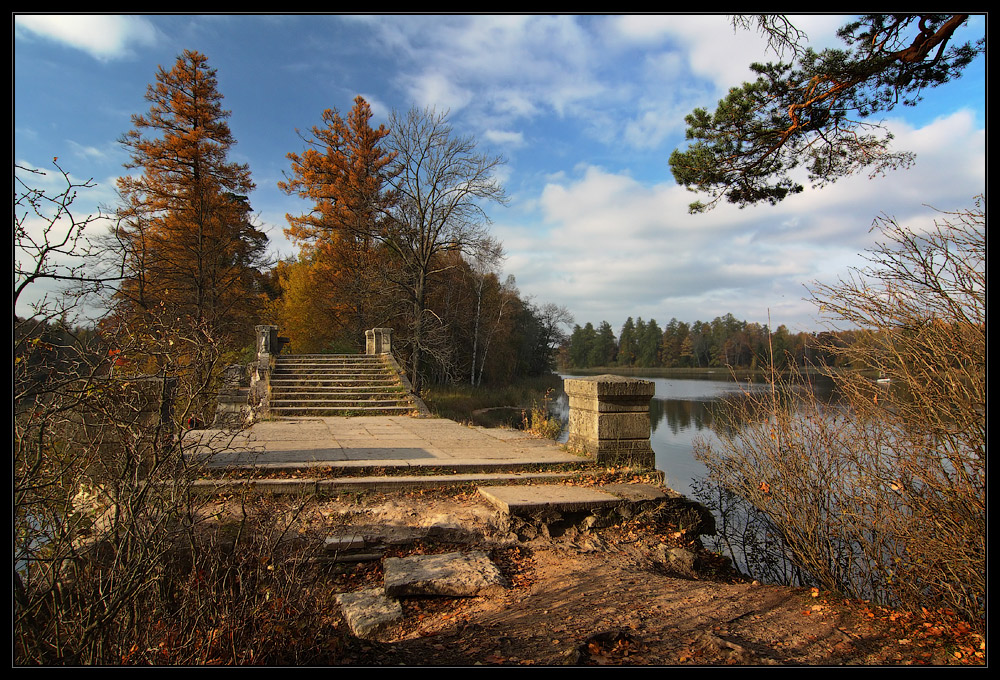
(724, 341)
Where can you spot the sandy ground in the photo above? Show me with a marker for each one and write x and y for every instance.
(605, 598)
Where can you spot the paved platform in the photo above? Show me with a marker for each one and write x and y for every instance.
(373, 441)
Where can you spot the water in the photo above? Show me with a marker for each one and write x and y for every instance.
(681, 410)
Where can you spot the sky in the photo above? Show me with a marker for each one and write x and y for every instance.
(585, 109)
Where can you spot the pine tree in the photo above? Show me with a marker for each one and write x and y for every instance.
(818, 112)
(190, 249)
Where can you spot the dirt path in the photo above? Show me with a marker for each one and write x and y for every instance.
(605, 599)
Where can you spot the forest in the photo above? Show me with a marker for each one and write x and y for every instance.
(722, 342)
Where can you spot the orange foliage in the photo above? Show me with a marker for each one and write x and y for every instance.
(343, 172)
(189, 245)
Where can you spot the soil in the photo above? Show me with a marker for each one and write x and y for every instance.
(606, 598)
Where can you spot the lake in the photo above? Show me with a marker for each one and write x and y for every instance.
(680, 411)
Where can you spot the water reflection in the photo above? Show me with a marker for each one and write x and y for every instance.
(681, 410)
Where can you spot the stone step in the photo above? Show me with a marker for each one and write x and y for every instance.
(343, 411)
(331, 368)
(339, 403)
(551, 510)
(331, 362)
(334, 392)
(333, 382)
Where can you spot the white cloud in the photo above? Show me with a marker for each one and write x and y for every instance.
(102, 36)
(521, 64)
(613, 247)
(436, 90)
(711, 46)
(504, 137)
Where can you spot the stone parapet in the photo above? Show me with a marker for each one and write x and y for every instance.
(378, 341)
(269, 345)
(609, 419)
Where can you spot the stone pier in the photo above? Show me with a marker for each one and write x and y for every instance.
(609, 419)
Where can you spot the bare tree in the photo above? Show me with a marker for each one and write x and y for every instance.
(115, 559)
(441, 185)
(50, 240)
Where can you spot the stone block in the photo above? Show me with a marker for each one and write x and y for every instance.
(610, 388)
(378, 341)
(600, 426)
(369, 612)
(609, 418)
(450, 574)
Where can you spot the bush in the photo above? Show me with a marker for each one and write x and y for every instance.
(882, 496)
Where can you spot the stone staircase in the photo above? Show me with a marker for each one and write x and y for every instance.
(337, 385)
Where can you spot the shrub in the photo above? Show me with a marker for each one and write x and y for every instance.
(882, 496)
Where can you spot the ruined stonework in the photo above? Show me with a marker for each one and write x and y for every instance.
(609, 419)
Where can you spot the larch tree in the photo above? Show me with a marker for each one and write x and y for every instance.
(344, 171)
(190, 251)
(816, 113)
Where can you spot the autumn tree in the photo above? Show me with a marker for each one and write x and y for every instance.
(188, 246)
(344, 171)
(816, 112)
(495, 304)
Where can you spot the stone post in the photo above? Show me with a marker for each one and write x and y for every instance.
(378, 341)
(609, 419)
(269, 345)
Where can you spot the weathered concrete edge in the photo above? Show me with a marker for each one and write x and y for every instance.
(407, 385)
(331, 486)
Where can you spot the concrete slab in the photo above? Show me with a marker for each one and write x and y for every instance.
(369, 612)
(515, 499)
(636, 492)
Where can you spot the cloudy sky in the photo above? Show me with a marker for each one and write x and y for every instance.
(586, 110)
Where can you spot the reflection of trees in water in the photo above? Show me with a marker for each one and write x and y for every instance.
(717, 414)
(680, 414)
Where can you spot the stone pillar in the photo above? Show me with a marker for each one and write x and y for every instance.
(269, 345)
(378, 341)
(609, 419)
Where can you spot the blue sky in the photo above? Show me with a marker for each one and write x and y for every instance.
(586, 109)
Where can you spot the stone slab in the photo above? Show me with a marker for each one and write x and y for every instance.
(636, 492)
(371, 441)
(369, 612)
(338, 543)
(525, 498)
(451, 574)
